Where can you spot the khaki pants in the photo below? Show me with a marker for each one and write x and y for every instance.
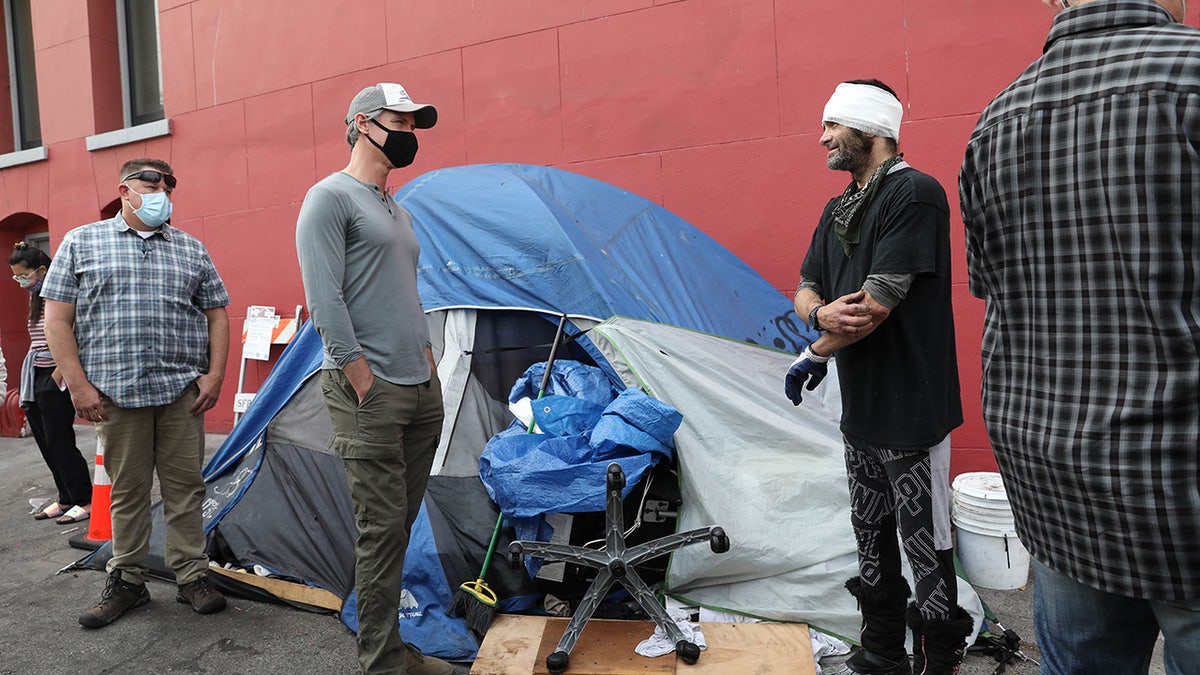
(387, 443)
(138, 442)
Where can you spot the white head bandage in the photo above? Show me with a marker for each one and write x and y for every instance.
(865, 107)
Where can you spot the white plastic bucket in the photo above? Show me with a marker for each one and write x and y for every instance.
(981, 486)
(992, 559)
(987, 543)
(992, 516)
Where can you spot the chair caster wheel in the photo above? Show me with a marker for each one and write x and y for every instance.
(557, 662)
(516, 556)
(615, 477)
(687, 651)
(717, 541)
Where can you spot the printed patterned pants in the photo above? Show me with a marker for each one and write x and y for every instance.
(908, 492)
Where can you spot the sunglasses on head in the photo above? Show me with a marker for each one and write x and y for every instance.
(151, 176)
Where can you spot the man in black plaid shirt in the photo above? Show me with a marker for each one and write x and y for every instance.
(1082, 223)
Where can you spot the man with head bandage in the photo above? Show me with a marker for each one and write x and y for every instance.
(876, 280)
(865, 108)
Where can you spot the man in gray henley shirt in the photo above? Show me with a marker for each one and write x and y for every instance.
(358, 258)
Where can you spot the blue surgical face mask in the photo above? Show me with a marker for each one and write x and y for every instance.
(156, 209)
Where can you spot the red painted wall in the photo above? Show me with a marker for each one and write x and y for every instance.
(710, 107)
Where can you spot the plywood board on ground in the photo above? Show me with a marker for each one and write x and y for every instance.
(286, 590)
(604, 648)
(518, 645)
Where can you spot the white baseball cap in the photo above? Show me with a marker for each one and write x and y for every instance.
(391, 96)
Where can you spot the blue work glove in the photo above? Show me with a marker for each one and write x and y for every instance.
(808, 367)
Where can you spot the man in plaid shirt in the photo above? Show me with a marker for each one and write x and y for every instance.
(1082, 223)
(136, 320)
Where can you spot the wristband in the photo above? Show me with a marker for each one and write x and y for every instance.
(813, 356)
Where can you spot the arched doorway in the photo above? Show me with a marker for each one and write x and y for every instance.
(110, 209)
(14, 302)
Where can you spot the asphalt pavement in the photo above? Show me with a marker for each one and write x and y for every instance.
(40, 633)
(39, 628)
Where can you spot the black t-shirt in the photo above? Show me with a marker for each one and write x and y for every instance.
(900, 383)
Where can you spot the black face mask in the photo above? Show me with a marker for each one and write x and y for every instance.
(400, 147)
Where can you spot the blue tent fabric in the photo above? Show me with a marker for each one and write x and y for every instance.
(535, 237)
(300, 359)
(424, 602)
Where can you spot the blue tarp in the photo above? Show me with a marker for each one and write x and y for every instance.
(563, 470)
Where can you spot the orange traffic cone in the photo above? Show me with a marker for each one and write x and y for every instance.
(100, 522)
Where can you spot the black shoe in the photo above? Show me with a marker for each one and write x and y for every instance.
(117, 598)
(203, 597)
(870, 663)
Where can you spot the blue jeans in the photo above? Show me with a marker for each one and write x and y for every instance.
(1082, 631)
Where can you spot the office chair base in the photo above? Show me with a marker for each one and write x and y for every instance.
(616, 563)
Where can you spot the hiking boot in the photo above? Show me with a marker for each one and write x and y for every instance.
(203, 597)
(420, 664)
(118, 597)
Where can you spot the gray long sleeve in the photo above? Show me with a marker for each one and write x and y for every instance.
(887, 289)
(358, 259)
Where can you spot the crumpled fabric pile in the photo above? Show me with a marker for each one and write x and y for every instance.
(660, 644)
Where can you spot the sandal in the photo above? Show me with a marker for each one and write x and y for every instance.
(54, 510)
(75, 514)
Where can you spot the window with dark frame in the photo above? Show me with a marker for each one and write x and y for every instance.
(140, 56)
(40, 241)
(27, 125)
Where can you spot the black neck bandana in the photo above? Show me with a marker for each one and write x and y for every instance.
(847, 215)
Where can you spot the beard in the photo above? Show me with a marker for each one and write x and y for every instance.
(854, 152)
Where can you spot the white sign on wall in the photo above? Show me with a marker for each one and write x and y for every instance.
(260, 324)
